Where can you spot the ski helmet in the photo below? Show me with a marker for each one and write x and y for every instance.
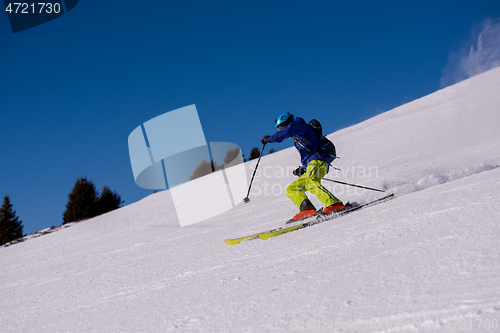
(284, 119)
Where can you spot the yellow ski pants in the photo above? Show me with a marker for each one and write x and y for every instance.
(311, 182)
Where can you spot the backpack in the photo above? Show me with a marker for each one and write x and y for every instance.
(326, 147)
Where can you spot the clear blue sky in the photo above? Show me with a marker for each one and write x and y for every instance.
(73, 89)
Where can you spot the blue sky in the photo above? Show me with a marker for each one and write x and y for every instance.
(73, 89)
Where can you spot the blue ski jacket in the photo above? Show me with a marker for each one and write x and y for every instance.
(305, 140)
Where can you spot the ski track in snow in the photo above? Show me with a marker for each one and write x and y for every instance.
(437, 179)
(428, 258)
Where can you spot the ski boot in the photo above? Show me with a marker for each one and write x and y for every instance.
(307, 209)
(333, 208)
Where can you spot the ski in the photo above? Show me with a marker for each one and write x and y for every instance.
(319, 218)
(235, 241)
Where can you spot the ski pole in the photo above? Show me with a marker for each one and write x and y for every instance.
(367, 188)
(246, 199)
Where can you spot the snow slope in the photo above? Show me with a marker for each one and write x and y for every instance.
(425, 260)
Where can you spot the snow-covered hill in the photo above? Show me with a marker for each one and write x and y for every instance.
(427, 259)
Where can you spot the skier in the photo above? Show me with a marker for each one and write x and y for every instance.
(314, 166)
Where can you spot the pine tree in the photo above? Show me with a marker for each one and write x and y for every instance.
(82, 201)
(231, 156)
(108, 201)
(204, 168)
(10, 226)
(254, 153)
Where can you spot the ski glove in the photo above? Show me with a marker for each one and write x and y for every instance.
(299, 171)
(265, 139)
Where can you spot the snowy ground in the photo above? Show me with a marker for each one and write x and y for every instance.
(426, 261)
